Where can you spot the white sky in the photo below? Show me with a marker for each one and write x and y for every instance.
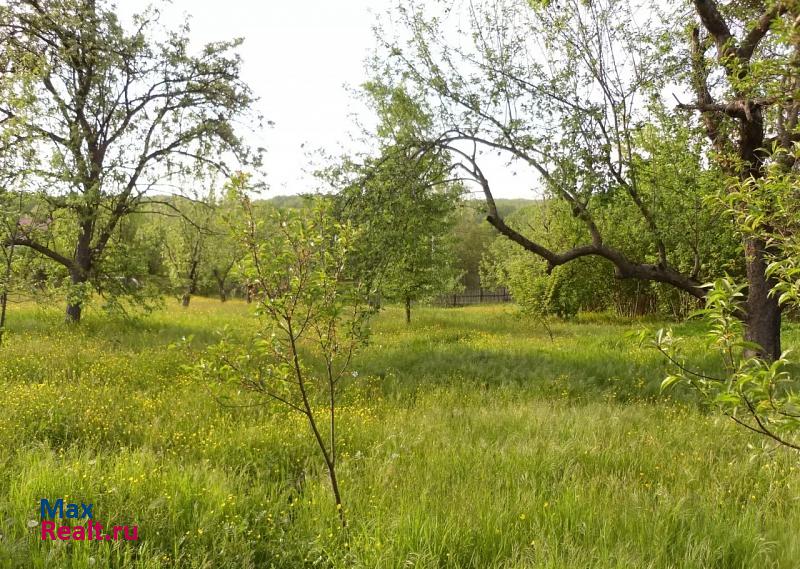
(299, 57)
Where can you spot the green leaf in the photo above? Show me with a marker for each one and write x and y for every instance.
(669, 381)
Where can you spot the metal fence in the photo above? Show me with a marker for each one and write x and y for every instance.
(474, 296)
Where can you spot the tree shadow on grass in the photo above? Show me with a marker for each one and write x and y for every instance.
(575, 368)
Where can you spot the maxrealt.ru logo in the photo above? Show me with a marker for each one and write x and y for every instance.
(91, 530)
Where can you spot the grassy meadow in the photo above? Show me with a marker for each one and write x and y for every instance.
(468, 439)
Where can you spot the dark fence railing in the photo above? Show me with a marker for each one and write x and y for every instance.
(473, 296)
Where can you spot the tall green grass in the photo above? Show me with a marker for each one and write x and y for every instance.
(469, 439)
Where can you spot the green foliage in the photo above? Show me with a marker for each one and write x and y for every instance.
(678, 191)
(24, 275)
(403, 204)
(585, 284)
(185, 244)
(766, 208)
(225, 251)
(570, 95)
(422, 264)
(125, 283)
(112, 111)
(759, 395)
(309, 308)
(472, 237)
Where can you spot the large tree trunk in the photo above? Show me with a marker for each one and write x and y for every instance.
(408, 310)
(221, 277)
(79, 273)
(191, 288)
(190, 291)
(3, 305)
(223, 294)
(75, 308)
(763, 322)
(73, 314)
(4, 294)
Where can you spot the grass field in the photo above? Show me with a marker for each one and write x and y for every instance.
(469, 439)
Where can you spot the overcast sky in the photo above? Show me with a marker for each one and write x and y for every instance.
(299, 57)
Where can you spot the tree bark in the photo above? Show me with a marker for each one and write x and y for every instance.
(223, 294)
(221, 277)
(4, 295)
(191, 288)
(73, 314)
(408, 310)
(79, 272)
(3, 306)
(763, 320)
(734, 55)
(329, 455)
(75, 307)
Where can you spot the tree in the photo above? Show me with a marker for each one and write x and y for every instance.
(9, 228)
(584, 284)
(472, 238)
(759, 395)
(185, 244)
(691, 231)
(225, 252)
(112, 113)
(14, 152)
(562, 89)
(404, 204)
(311, 310)
(747, 96)
(197, 245)
(407, 241)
